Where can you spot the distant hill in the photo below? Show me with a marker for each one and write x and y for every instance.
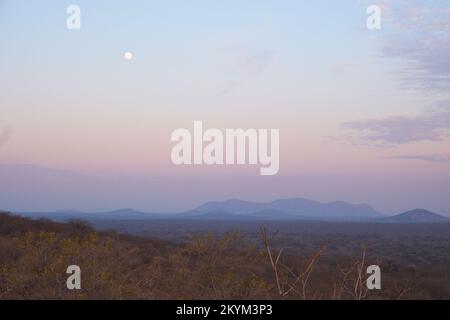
(294, 208)
(283, 209)
(417, 216)
(121, 214)
(219, 216)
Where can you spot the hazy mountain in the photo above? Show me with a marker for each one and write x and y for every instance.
(35, 188)
(219, 216)
(417, 216)
(129, 214)
(283, 209)
(288, 208)
(122, 214)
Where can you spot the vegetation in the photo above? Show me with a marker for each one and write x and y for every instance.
(34, 255)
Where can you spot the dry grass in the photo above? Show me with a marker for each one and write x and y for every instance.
(34, 256)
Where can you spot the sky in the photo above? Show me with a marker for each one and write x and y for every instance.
(371, 107)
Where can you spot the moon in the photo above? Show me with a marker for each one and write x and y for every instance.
(128, 56)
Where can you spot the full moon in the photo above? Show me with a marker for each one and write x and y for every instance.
(128, 56)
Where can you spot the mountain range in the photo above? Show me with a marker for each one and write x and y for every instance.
(294, 208)
(417, 216)
(282, 209)
(36, 188)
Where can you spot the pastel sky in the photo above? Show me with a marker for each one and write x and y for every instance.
(348, 101)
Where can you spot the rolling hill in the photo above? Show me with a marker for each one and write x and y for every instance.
(283, 209)
(294, 208)
(417, 216)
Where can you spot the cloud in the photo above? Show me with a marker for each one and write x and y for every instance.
(419, 33)
(441, 157)
(243, 65)
(5, 135)
(344, 65)
(433, 125)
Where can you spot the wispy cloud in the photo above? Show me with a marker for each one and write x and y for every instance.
(343, 65)
(441, 157)
(5, 135)
(433, 125)
(243, 65)
(419, 32)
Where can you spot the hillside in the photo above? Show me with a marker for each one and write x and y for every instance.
(120, 214)
(34, 256)
(288, 209)
(418, 216)
(283, 209)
